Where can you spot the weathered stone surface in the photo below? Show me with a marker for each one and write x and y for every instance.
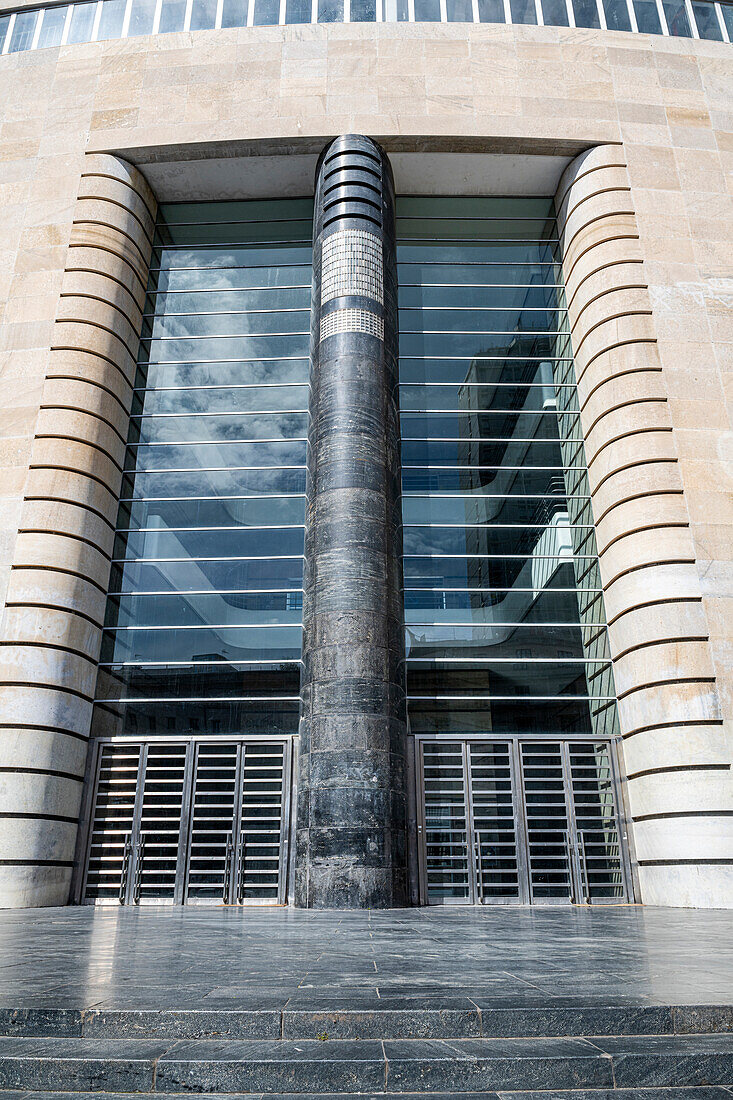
(351, 813)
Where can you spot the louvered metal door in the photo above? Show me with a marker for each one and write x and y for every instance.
(519, 821)
(189, 821)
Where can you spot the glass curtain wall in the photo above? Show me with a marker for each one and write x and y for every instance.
(203, 629)
(505, 628)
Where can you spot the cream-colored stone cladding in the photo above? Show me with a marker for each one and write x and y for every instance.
(651, 311)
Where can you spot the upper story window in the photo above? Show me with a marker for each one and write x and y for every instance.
(97, 20)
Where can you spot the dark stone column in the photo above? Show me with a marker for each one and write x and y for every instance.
(351, 831)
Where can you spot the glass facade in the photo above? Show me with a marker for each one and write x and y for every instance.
(105, 19)
(505, 628)
(204, 615)
(511, 701)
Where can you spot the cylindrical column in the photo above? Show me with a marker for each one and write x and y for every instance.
(52, 626)
(351, 834)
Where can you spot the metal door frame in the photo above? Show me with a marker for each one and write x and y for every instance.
(520, 821)
(191, 743)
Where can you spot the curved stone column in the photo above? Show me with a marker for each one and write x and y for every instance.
(58, 583)
(351, 797)
(677, 766)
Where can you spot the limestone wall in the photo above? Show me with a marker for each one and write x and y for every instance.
(661, 108)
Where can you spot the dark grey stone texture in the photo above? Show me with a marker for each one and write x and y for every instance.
(89, 1064)
(307, 1066)
(351, 819)
(463, 1064)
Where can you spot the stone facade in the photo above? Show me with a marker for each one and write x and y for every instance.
(647, 218)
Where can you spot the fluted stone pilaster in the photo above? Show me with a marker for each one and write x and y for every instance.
(351, 799)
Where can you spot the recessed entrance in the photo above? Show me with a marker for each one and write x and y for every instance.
(188, 821)
(519, 821)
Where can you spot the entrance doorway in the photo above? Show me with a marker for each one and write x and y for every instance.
(519, 821)
(180, 822)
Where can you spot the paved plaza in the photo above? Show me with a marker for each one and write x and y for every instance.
(270, 958)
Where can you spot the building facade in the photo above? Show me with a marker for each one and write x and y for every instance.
(367, 454)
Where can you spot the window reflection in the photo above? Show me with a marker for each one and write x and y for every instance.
(206, 582)
(503, 601)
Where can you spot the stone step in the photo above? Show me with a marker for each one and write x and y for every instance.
(700, 1092)
(397, 1066)
(457, 1018)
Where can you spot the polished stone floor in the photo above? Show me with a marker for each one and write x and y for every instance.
(268, 957)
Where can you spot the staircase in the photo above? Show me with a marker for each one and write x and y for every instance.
(566, 1051)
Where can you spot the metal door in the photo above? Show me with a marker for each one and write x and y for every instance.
(188, 821)
(519, 821)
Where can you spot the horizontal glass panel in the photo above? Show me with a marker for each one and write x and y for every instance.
(471, 231)
(495, 453)
(274, 542)
(193, 456)
(208, 643)
(557, 602)
(500, 424)
(212, 483)
(493, 479)
(171, 717)
(479, 641)
(222, 399)
(222, 348)
(505, 251)
(220, 609)
(203, 428)
(420, 319)
(183, 268)
(466, 298)
(225, 374)
(424, 541)
(196, 270)
(445, 209)
(199, 575)
(482, 370)
(471, 509)
(255, 237)
(539, 391)
(226, 300)
(470, 717)
(189, 512)
(511, 642)
(198, 325)
(472, 346)
(541, 679)
(245, 212)
(422, 272)
(500, 571)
